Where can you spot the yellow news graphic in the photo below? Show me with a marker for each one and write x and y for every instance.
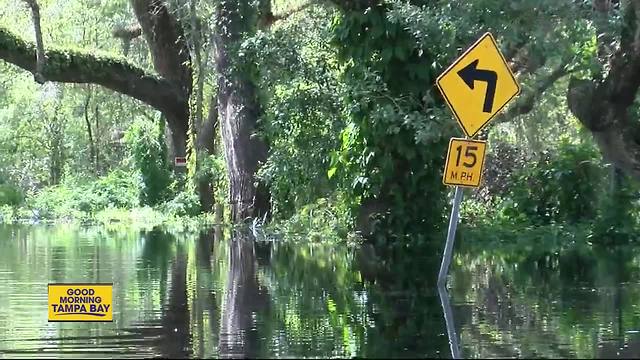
(80, 302)
(478, 85)
(465, 161)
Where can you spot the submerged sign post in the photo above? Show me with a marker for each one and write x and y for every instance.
(477, 86)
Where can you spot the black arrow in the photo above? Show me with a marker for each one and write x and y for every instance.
(470, 74)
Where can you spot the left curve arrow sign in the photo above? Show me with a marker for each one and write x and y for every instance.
(470, 74)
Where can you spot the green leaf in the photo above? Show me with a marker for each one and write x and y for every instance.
(331, 172)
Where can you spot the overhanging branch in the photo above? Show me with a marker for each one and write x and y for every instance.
(525, 103)
(75, 67)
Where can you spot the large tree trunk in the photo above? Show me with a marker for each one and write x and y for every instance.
(171, 59)
(239, 109)
(178, 131)
(603, 105)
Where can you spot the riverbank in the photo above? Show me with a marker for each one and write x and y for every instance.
(138, 217)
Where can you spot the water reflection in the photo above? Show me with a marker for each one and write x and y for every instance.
(549, 302)
(220, 294)
(454, 342)
(243, 299)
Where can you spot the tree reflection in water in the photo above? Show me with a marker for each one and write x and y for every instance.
(243, 298)
(206, 295)
(562, 301)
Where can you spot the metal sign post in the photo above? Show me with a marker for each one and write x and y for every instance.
(454, 344)
(474, 107)
(465, 161)
(451, 236)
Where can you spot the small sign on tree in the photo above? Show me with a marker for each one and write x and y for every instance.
(181, 161)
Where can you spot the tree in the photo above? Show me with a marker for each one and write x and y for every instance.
(169, 92)
(169, 89)
(394, 145)
(239, 109)
(606, 103)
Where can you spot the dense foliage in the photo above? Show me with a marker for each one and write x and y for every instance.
(149, 151)
(346, 102)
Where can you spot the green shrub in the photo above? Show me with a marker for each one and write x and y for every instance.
(10, 195)
(185, 203)
(617, 220)
(146, 144)
(325, 220)
(117, 189)
(563, 185)
(7, 213)
(67, 200)
(53, 202)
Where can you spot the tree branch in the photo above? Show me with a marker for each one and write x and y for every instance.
(76, 67)
(167, 43)
(40, 55)
(602, 106)
(525, 103)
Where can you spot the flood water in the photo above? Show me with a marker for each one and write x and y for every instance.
(210, 295)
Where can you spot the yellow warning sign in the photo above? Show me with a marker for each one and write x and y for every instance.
(478, 85)
(80, 302)
(465, 161)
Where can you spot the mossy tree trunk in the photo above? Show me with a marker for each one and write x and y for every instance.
(172, 60)
(239, 110)
(206, 145)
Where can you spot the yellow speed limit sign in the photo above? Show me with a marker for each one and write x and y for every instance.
(465, 161)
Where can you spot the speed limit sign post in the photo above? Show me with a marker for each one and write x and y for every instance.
(465, 161)
(477, 86)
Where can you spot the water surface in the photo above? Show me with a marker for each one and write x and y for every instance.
(209, 295)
